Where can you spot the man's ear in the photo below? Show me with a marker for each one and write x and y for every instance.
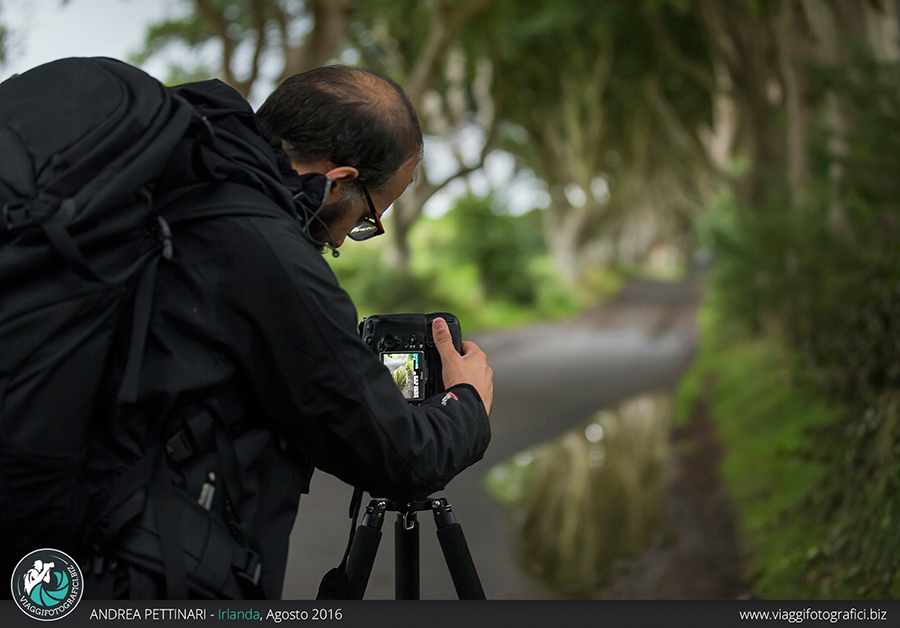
(342, 177)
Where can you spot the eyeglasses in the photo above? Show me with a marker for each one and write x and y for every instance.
(369, 226)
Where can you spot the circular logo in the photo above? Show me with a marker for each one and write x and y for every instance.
(47, 584)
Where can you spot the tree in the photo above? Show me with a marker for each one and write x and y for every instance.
(832, 30)
(412, 42)
(4, 34)
(499, 246)
(590, 111)
(4, 41)
(813, 265)
(421, 46)
(300, 35)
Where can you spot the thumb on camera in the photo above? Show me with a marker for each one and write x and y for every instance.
(442, 337)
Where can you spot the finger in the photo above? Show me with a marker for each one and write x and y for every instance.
(442, 339)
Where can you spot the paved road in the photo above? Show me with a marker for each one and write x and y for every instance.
(547, 379)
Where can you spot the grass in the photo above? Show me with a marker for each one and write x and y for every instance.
(770, 470)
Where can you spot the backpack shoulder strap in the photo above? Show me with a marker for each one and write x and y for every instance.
(201, 201)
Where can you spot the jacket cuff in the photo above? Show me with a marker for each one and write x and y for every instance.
(461, 387)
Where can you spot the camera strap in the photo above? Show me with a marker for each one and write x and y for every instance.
(334, 584)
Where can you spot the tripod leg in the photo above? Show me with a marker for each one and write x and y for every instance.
(406, 556)
(456, 553)
(363, 550)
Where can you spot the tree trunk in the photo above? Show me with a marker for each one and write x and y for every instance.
(447, 18)
(719, 139)
(823, 20)
(741, 39)
(397, 254)
(565, 250)
(883, 29)
(565, 227)
(321, 45)
(788, 34)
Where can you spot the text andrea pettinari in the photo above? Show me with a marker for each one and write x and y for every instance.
(153, 614)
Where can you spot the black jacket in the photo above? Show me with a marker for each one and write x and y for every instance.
(254, 365)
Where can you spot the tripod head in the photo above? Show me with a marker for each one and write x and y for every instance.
(406, 511)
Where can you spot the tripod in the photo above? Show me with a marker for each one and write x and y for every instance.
(406, 549)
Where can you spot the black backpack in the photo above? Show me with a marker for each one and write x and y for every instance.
(83, 143)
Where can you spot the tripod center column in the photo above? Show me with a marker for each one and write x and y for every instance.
(406, 555)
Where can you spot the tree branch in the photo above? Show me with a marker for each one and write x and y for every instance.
(391, 47)
(720, 38)
(281, 18)
(464, 172)
(669, 118)
(472, 9)
(446, 20)
(220, 27)
(331, 18)
(674, 56)
(259, 23)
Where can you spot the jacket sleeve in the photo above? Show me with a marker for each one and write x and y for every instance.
(295, 331)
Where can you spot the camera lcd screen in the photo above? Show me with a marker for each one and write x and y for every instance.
(407, 370)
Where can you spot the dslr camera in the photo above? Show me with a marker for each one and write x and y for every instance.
(406, 347)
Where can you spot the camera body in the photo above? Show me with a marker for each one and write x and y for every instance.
(406, 347)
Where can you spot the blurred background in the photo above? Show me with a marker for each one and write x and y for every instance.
(672, 225)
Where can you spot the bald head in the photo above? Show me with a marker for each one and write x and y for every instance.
(348, 116)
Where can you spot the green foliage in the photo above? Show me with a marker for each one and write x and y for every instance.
(869, 90)
(815, 482)
(619, 107)
(377, 288)
(765, 423)
(408, 23)
(191, 30)
(859, 505)
(235, 25)
(500, 247)
(819, 276)
(527, 39)
(827, 268)
(441, 278)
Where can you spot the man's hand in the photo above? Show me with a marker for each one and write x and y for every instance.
(469, 368)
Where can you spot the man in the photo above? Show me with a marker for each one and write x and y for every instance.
(39, 573)
(253, 371)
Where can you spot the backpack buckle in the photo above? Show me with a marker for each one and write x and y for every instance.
(16, 215)
(252, 571)
(179, 447)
